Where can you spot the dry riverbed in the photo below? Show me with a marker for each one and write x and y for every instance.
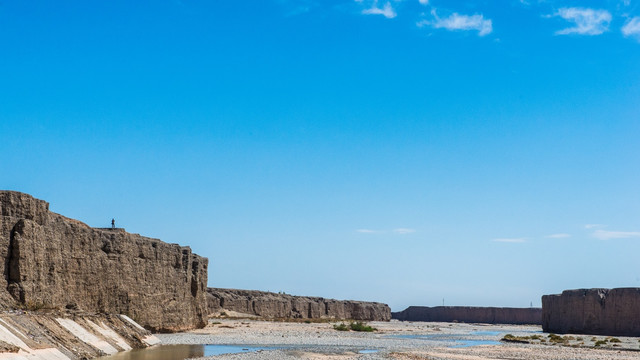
(399, 340)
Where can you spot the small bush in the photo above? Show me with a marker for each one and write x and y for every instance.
(341, 327)
(360, 326)
(614, 340)
(600, 343)
(522, 339)
(557, 339)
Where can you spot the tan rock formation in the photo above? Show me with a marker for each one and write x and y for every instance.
(471, 314)
(593, 311)
(284, 306)
(56, 262)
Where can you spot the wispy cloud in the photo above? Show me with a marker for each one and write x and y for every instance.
(399, 231)
(386, 10)
(510, 240)
(457, 22)
(367, 231)
(632, 28)
(593, 226)
(404, 231)
(587, 21)
(608, 235)
(424, 2)
(558, 236)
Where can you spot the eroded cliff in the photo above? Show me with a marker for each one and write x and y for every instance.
(284, 306)
(471, 314)
(55, 262)
(593, 311)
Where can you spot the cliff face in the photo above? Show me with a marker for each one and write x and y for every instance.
(593, 311)
(469, 314)
(284, 306)
(52, 261)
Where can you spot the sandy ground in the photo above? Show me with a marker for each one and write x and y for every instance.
(395, 340)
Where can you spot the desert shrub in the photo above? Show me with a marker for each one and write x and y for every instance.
(515, 339)
(360, 326)
(341, 327)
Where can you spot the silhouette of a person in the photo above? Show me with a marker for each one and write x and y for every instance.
(113, 223)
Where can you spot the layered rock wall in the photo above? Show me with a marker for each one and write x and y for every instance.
(471, 314)
(593, 311)
(51, 261)
(284, 306)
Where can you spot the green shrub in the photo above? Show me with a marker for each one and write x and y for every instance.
(341, 327)
(515, 339)
(600, 342)
(360, 326)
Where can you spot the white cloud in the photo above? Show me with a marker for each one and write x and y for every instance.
(510, 240)
(587, 21)
(460, 22)
(608, 235)
(404, 231)
(367, 231)
(387, 10)
(558, 236)
(424, 2)
(632, 28)
(593, 226)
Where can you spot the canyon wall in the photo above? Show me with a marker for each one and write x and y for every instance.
(593, 311)
(284, 306)
(471, 314)
(51, 261)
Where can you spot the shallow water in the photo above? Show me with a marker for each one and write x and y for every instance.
(456, 340)
(180, 352)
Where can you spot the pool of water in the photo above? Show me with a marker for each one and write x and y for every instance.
(367, 351)
(180, 352)
(487, 333)
(469, 343)
(456, 340)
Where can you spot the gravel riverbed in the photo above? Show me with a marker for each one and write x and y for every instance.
(392, 340)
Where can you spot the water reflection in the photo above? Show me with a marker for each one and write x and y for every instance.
(161, 352)
(180, 352)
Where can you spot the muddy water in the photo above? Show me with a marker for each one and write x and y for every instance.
(180, 352)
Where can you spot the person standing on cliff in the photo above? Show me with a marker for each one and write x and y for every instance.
(113, 223)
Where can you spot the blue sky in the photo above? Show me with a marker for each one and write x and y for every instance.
(480, 152)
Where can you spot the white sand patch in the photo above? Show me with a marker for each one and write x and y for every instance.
(109, 334)
(128, 319)
(82, 334)
(41, 354)
(8, 337)
(151, 340)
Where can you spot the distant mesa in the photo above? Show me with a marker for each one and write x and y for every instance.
(471, 314)
(614, 312)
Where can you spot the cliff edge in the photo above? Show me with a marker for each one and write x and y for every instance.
(284, 306)
(471, 314)
(593, 311)
(51, 261)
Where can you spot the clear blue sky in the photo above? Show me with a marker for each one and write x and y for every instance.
(484, 152)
